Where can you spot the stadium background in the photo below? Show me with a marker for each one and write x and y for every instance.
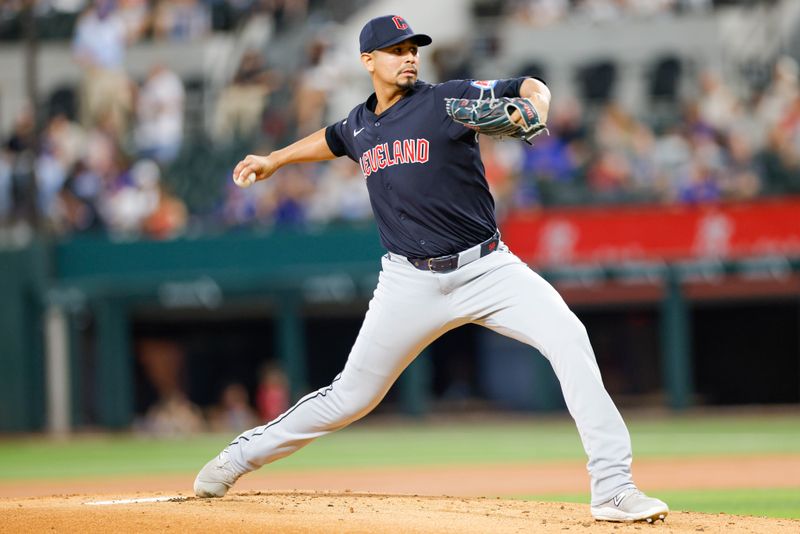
(142, 291)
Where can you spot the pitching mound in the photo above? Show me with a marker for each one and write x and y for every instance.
(339, 512)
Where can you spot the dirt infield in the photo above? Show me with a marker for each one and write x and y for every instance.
(302, 512)
(357, 500)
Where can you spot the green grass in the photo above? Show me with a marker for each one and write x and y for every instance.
(370, 445)
(783, 502)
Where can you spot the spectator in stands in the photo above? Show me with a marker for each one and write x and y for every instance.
(501, 162)
(339, 194)
(77, 203)
(672, 163)
(609, 176)
(136, 17)
(272, 395)
(287, 202)
(740, 179)
(135, 203)
(781, 94)
(50, 177)
(99, 47)
(173, 414)
(159, 114)
(552, 170)
(781, 163)
(718, 105)
(103, 156)
(80, 200)
(66, 139)
(130, 198)
(20, 155)
(169, 217)
(181, 20)
(540, 13)
(62, 146)
(233, 410)
(644, 184)
(239, 208)
(23, 135)
(701, 186)
(550, 163)
(240, 106)
(317, 79)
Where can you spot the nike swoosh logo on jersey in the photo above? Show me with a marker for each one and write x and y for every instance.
(619, 498)
(356, 132)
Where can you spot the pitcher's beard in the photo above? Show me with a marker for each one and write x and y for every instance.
(407, 83)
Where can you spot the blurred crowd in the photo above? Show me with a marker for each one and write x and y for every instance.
(717, 146)
(139, 20)
(111, 153)
(194, 19)
(168, 410)
(120, 161)
(546, 12)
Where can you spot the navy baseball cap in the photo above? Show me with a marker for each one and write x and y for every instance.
(385, 31)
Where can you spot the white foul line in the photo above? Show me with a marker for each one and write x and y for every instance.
(136, 501)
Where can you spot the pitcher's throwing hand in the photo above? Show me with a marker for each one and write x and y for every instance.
(253, 168)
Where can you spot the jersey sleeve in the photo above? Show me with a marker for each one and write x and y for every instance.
(337, 141)
(481, 88)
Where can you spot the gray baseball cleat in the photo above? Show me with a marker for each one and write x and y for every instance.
(216, 477)
(631, 505)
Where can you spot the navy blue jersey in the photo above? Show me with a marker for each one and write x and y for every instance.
(424, 173)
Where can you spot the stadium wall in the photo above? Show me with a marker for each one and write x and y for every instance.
(284, 274)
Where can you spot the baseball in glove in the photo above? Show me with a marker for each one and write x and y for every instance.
(495, 116)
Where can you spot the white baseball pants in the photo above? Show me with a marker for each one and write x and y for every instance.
(411, 308)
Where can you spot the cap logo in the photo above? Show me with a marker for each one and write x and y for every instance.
(382, 32)
(400, 23)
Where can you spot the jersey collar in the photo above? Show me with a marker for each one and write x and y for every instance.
(372, 101)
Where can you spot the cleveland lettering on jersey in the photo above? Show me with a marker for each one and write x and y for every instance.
(400, 152)
(413, 146)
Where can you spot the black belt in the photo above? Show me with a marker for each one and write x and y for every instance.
(446, 264)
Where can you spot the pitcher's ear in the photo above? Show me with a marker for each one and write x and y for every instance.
(368, 60)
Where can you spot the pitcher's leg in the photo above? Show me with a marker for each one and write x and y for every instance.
(525, 307)
(393, 333)
(349, 397)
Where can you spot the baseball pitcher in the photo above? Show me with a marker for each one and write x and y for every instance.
(446, 265)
